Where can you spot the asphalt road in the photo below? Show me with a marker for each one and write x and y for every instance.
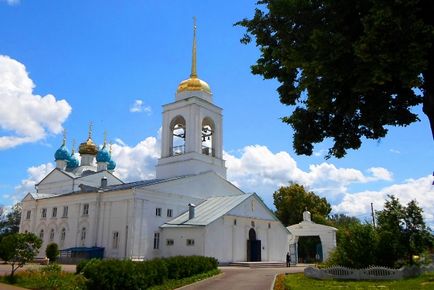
(232, 278)
(242, 278)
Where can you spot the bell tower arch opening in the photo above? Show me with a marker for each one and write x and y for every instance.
(208, 137)
(177, 142)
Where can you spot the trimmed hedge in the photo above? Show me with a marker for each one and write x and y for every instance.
(126, 274)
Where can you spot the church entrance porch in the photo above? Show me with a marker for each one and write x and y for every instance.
(253, 247)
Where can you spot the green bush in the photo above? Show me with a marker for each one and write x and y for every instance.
(50, 277)
(52, 251)
(125, 274)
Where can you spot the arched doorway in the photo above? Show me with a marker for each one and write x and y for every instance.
(253, 247)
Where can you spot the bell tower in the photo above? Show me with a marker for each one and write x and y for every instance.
(192, 136)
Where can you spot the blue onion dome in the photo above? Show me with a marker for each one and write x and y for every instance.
(72, 163)
(62, 153)
(111, 165)
(103, 154)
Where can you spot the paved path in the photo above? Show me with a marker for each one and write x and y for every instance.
(240, 278)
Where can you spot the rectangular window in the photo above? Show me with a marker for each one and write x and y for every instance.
(169, 242)
(169, 212)
(115, 242)
(158, 211)
(86, 209)
(28, 214)
(54, 212)
(65, 212)
(190, 242)
(83, 236)
(44, 213)
(156, 240)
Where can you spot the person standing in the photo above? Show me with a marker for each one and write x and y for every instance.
(288, 260)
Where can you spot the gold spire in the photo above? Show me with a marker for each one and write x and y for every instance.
(90, 130)
(105, 138)
(193, 57)
(73, 147)
(193, 83)
(64, 137)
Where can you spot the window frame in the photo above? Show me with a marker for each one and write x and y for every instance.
(63, 234)
(169, 212)
(85, 209)
(158, 211)
(115, 240)
(156, 240)
(65, 211)
(44, 213)
(54, 212)
(170, 242)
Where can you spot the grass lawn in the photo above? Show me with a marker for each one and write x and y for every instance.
(300, 282)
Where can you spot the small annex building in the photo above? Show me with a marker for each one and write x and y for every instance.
(189, 208)
(307, 228)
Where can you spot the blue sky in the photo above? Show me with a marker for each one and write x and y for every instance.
(98, 60)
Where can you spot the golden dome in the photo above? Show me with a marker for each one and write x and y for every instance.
(88, 147)
(193, 84)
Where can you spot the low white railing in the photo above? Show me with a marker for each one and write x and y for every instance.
(370, 273)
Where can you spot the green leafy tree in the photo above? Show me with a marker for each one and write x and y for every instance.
(291, 201)
(350, 67)
(341, 221)
(10, 220)
(52, 252)
(402, 232)
(357, 246)
(21, 249)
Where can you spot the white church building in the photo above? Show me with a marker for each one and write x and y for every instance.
(190, 208)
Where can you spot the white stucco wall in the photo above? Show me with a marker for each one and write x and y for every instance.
(180, 236)
(201, 186)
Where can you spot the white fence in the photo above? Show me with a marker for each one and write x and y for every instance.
(370, 273)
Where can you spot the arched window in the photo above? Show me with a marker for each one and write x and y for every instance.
(208, 144)
(51, 235)
(178, 129)
(62, 234)
(252, 235)
(41, 234)
(83, 236)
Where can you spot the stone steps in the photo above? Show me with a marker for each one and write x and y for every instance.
(259, 264)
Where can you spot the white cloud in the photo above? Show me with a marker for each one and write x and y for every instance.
(395, 151)
(25, 116)
(139, 107)
(260, 170)
(12, 2)
(138, 162)
(380, 173)
(420, 189)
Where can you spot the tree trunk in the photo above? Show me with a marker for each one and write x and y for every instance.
(428, 109)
